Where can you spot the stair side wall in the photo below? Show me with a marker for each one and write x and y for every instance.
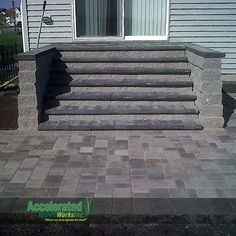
(205, 65)
(34, 72)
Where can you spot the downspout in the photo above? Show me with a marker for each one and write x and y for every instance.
(41, 22)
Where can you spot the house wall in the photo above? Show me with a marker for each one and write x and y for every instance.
(210, 23)
(59, 32)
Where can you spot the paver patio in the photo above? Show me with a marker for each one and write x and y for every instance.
(159, 164)
(140, 172)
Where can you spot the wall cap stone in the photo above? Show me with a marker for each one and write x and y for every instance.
(203, 51)
(33, 54)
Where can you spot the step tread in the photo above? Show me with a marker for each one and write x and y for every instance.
(104, 82)
(120, 59)
(120, 47)
(75, 125)
(125, 110)
(124, 96)
(120, 70)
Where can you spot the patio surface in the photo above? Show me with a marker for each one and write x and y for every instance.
(118, 164)
(196, 166)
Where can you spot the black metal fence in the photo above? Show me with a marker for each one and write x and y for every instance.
(8, 64)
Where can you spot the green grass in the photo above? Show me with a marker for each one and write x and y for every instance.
(11, 38)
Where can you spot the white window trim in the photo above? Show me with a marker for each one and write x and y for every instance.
(120, 38)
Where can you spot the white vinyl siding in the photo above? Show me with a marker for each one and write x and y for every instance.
(209, 23)
(61, 30)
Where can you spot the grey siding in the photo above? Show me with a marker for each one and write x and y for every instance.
(60, 31)
(210, 23)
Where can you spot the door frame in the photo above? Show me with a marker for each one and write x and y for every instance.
(122, 37)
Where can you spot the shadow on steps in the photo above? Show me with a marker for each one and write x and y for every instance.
(229, 102)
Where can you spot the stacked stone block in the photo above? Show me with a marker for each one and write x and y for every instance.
(34, 72)
(205, 65)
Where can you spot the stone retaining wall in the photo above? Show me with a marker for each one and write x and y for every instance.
(34, 72)
(205, 65)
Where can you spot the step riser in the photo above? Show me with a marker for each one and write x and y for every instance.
(120, 125)
(60, 90)
(119, 54)
(120, 59)
(179, 65)
(119, 70)
(112, 77)
(121, 110)
(53, 103)
(121, 117)
(121, 97)
(110, 83)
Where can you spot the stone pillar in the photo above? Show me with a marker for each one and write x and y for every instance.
(205, 65)
(34, 72)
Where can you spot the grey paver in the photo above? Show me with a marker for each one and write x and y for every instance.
(35, 192)
(62, 159)
(21, 176)
(40, 172)
(101, 144)
(10, 148)
(34, 183)
(61, 143)
(122, 192)
(57, 171)
(157, 164)
(29, 163)
(84, 150)
(53, 181)
(104, 190)
(140, 185)
(13, 164)
(86, 188)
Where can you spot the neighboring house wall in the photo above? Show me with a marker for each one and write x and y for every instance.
(18, 16)
(10, 16)
(209, 23)
(59, 32)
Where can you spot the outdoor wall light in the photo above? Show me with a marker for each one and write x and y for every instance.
(47, 20)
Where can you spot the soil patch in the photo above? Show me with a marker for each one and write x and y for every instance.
(8, 110)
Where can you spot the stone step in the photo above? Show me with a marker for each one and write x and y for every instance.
(117, 59)
(49, 103)
(77, 125)
(122, 110)
(120, 82)
(118, 78)
(123, 96)
(121, 70)
(120, 49)
(124, 65)
(130, 117)
(141, 53)
(101, 90)
(120, 46)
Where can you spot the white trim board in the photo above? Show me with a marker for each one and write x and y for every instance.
(25, 33)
